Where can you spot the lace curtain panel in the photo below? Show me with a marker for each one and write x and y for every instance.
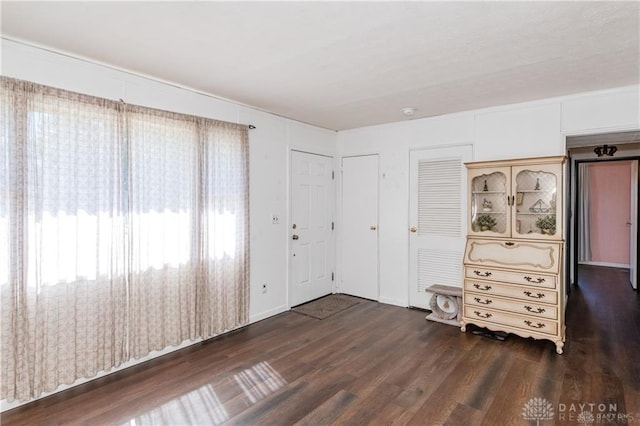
(123, 230)
(584, 218)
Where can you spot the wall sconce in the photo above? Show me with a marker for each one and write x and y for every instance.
(605, 151)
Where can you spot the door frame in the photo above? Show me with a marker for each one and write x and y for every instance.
(289, 222)
(573, 236)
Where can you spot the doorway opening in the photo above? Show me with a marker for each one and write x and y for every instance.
(603, 215)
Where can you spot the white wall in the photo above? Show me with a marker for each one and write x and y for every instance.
(270, 144)
(513, 131)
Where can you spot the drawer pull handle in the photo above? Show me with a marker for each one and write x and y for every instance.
(487, 315)
(537, 296)
(538, 280)
(530, 324)
(483, 288)
(482, 274)
(486, 301)
(535, 310)
(509, 243)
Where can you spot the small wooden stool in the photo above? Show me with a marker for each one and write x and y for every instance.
(445, 304)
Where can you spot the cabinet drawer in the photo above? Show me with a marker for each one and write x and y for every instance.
(519, 307)
(512, 254)
(530, 324)
(533, 295)
(526, 278)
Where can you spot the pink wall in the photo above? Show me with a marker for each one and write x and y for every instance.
(610, 189)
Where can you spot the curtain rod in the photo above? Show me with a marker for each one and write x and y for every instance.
(251, 126)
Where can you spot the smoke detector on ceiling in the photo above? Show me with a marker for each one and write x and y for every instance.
(409, 111)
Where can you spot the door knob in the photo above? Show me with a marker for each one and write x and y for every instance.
(295, 237)
(373, 227)
(413, 229)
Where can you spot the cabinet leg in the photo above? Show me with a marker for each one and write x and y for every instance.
(559, 345)
(463, 327)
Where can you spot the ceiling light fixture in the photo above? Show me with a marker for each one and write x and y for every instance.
(409, 111)
(605, 151)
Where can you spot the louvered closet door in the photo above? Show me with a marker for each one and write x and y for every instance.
(437, 219)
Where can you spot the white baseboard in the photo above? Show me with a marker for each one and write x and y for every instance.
(266, 314)
(607, 264)
(395, 302)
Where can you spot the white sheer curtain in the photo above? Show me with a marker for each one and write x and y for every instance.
(224, 205)
(584, 222)
(63, 286)
(163, 232)
(126, 230)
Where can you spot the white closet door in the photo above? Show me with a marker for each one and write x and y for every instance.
(437, 212)
(360, 226)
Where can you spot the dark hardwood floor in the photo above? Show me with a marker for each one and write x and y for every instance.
(379, 364)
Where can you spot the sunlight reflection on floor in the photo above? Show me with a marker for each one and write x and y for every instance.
(202, 406)
(259, 381)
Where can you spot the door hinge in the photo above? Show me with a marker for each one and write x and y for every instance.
(333, 226)
(332, 276)
(333, 174)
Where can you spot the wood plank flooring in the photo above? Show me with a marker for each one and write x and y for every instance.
(378, 364)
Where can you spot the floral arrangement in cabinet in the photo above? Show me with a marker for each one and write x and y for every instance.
(547, 224)
(484, 222)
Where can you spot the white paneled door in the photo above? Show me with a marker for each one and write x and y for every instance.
(311, 232)
(360, 226)
(437, 219)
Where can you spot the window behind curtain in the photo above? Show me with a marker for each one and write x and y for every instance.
(74, 189)
(162, 188)
(109, 214)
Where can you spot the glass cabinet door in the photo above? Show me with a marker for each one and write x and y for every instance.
(536, 206)
(489, 210)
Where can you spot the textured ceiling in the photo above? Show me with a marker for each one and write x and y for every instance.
(342, 65)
